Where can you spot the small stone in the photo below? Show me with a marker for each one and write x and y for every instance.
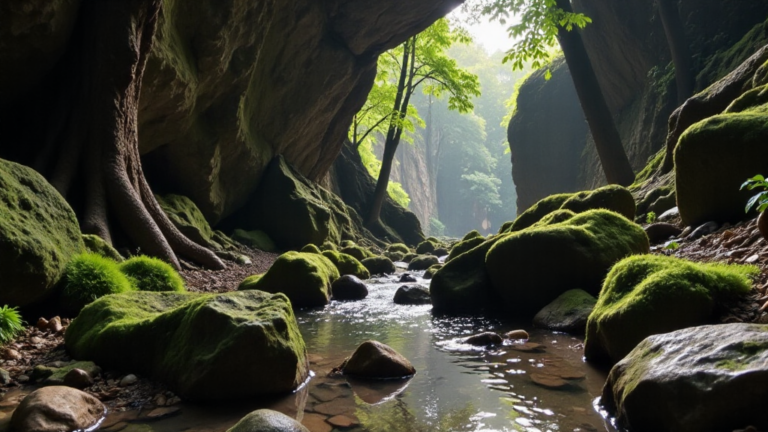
(163, 412)
(160, 400)
(528, 347)
(752, 259)
(316, 423)
(5, 377)
(22, 379)
(173, 400)
(407, 277)
(54, 325)
(10, 354)
(375, 360)
(78, 378)
(127, 380)
(549, 381)
(517, 334)
(343, 421)
(42, 324)
(484, 339)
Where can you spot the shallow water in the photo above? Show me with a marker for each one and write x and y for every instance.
(456, 388)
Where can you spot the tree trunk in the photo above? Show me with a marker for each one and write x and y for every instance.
(681, 58)
(102, 137)
(607, 140)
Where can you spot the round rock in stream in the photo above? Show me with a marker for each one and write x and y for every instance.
(407, 277)
(375, 360)
(266, 420)
(484, 339)
(349, 287)
(412, 295)
(55, 409)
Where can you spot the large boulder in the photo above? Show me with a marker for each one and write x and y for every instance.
(379, 265)
(56, 409)
(567, 313)
(423, 262)
(412, 295)
(347, 264)
(305, 278)
(375, 360)
(39, 234)
(700, 379)
(530, 268)
(203, 346)
(349, 287)
(266, 420)
(652, 294)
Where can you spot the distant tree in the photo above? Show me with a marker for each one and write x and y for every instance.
(678, 47)
(420, 61)
(542, 23)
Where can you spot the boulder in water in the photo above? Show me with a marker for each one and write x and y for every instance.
(423, 262)
(349, 287)
(267, 420)
(56, 409)
(567, 313)
(412, 295)
(484, 339)
(375, 360)
(379, 265)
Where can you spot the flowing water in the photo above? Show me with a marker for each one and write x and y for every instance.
(457, 387)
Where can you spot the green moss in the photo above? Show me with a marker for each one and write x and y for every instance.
(328, 246)
(426, 247)
(11, 324)
(530, 268)
(398, 247)
(567, 313)
(379, 265)
(394, 256)
(347, 243)
(472, 234)
(555, 217)
(39, 234)
(96, 244)
(463, 246)
(430, 272)
(55, 376)
(650, 168)
(724, 62)
(89, 277)
(423, 262)
(185, 215)
(409, 257)
(305, 278)
(151, 274)
(709, 174)
(358, 252)
(347, 264)
(256, 239)
(539, 210)
(203, 346)
(434, 240)
(506, 227)
(651, 294)
(310, 248)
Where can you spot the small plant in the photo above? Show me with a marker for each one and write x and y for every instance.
(90, 276)
(151, 274)
(650, 217)
(11, 324)
(760, 199)
(672, 246)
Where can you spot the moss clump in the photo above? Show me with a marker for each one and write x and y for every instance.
(96, 244)
(185, 215)
(398, 247)
(151, 274)
(426, 247)
(530, 268)
(360, 253)
(347, 264)
(651, 294)
(463, 246)
(394, 256)
(434, 240)
(472, 234)
(347, 243)
(328, 246)
(712, 160)
(537, 211)
(11, 324)
(89, 277)
(379, 265)
(430, 272)
(203, 346)
(409, 257)
(310, 248)
(650, 168)
(423, 262)
(256, 239)
(506, 227)
(39, 235)
(305, 278)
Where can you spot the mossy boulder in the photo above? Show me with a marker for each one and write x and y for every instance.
(203, 346)
(705, 379)
(423, 262)
(379, 265)
(430, 272)
(328, 246)
(305, 278)
(712, 159)
(256, 239)
(531, 268)
(347, 264)
(612, 197)
(463, 246)
(409, 257)
(651, 294)
(568, 313)
(39, 235)
(394, 256)
(96, 244)
(398, 247)
(88, 277)
(151, 274)
(472, 234)
(426, 247)
(310, 248)
(506, 227)
(185, 216)
(360, 253)
(46, 375)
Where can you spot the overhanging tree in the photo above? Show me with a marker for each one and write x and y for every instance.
(542, 23)
(420, 62)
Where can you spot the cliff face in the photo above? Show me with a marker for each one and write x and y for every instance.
(413, 172)
(630, 55)
(230, 83)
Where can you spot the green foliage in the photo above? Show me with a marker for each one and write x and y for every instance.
(151, 274)
(650, 217)
(672, 246)
(90, 276)
(373, 165)
(760, 200)
(11, 324)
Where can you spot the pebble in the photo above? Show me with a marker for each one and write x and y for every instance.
(173, 400)
(549, 381)
(343, 421)
(5, 377)
(517, 334)
(160, 400)
(54, 325)
(163, 412)
(316, 423)
(22, 378)
(752, 259)
(42, 323)
(127, 380)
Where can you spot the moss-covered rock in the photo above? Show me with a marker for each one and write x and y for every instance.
(712, 159)
(90, 276)
(185, 215)
(530, 268)
(305, 278)
(151, 274)
(506, 227)
(537, 211)
(472, 234)
(204, 346)
(39, 234)
(651, 294)
(394, 256)
(426, 247)
(463, 246)
(347, 264)
(567, 313)
(360, 253)
(47, 375)
(423, 262)
(555, 217)
(328, 246)
(409, 257)
(97, 245)
(256, 239)
(310, 248)
(398, 247)
(430, 272)
(379, 265)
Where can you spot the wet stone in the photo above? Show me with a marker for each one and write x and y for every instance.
(484, 339)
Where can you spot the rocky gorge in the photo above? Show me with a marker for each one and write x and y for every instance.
(213, 270)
